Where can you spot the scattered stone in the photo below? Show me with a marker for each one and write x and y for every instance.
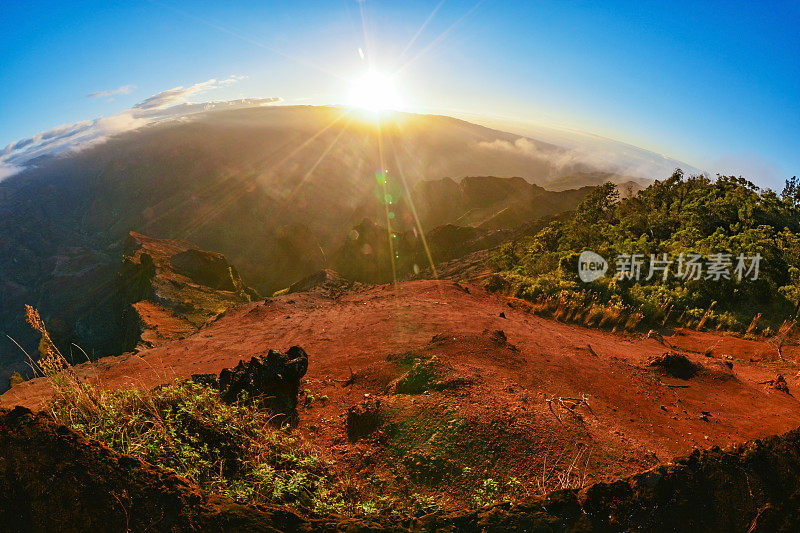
(499, 336)
(502, 314)
(274, 379)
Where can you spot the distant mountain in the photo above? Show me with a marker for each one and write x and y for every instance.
(366, 254)
(488, 202)
(275, 189)
(583, 179)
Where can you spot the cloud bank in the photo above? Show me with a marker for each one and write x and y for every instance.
(579, 149)
(166, 105)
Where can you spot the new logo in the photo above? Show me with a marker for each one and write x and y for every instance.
(591, 266)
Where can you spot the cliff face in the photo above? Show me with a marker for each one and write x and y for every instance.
(170, 288)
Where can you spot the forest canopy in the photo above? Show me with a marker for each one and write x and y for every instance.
(727, 217)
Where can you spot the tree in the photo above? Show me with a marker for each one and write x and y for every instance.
(791, 192)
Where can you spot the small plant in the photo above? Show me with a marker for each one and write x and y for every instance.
(309, 400)
(487, 493)
(513, 489)
(229, 449)
(564, 471)
(423, 505)
(15, 379)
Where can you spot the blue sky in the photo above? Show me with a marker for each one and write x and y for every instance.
(714, 84)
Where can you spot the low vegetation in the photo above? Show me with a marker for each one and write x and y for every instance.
(694, 215)
(230, 449)
(236, 449)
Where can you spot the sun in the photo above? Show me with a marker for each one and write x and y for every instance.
(376, 92)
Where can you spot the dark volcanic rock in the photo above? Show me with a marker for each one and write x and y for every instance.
(780, 384)
(753, 486)
(275, 379)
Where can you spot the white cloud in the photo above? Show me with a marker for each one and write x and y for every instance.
(166, 105)
(8, 170)
(576, 149)
(521, 146)
(110, 94)
(179, 94)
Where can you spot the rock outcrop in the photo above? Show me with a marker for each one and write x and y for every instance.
(170, 288)
(274, 379)
(754, 486)
(325, 281)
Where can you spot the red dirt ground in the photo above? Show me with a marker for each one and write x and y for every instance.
(491, 417)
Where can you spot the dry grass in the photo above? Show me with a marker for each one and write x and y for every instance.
(565, 469)
(588, 311)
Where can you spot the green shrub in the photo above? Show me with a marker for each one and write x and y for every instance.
(673, 216)
(228, 449)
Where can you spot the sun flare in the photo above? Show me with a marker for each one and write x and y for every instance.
(375, 91)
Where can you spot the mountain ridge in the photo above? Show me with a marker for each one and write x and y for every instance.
(277, 190)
